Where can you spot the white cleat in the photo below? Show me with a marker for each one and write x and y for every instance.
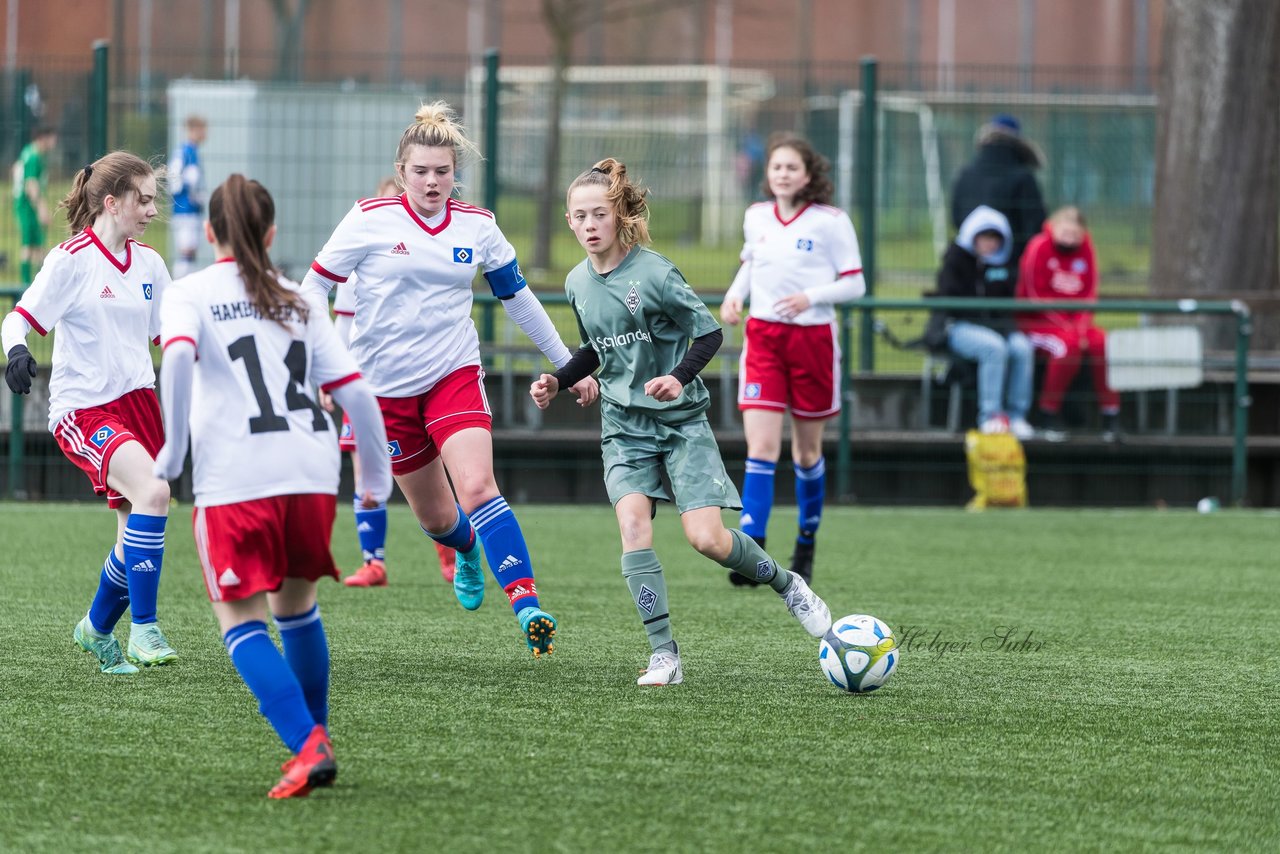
(806, 606)
(664, 669)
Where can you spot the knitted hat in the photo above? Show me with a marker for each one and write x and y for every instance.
(1007, 123)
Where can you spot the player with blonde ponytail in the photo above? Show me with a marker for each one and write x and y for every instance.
(414, 257)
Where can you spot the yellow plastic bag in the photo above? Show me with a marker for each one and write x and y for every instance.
(997, 470)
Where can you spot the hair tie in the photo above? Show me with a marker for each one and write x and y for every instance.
(598, 169)
(88, 170)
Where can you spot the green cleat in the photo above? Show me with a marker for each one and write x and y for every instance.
(468, 578)
(105, 649)
(148, 647)
(539, 629)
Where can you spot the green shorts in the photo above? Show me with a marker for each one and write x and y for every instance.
(634, 460)
(29, 227)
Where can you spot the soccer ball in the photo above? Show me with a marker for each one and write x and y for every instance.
(858, 653)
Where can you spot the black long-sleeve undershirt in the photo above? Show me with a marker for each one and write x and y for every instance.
(586, 360)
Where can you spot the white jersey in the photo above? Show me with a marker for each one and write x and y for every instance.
(413, 290)
(256, 429)
(106, 309)
(815, 247)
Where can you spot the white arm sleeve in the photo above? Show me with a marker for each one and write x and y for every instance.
(358, 402)
(526, 312)
(314, 284)
(342, 324)
(741, 287)
(176, 373)
(841, 290)
(13, 331)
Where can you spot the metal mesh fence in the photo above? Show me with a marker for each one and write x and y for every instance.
(694, 135)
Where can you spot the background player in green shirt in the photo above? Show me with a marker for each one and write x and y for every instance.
(29, 206)
(637, 314)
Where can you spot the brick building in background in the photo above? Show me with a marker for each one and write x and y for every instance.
(391, 40)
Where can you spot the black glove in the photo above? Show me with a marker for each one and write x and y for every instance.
(21, 368)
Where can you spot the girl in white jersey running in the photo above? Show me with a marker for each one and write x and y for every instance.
(371, 525)
(414, 257)
(102, 290)
(799, 259)
(266, 464)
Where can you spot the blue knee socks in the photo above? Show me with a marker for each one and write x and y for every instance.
(371, 528)
(757, 497)
(507, 552)
(112, 598)
(143, 555)
(307, 652)
(811, 486)
(272, 682)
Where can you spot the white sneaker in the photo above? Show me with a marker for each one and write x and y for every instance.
(664, 669)
(1020, 428)
(806, 606)
(995, 424)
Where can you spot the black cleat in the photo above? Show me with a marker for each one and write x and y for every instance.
(802, 561)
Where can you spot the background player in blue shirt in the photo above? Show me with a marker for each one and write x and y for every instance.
(186, 185)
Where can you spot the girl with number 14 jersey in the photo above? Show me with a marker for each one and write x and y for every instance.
(266, 464)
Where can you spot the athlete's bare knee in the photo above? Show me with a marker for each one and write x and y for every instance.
(637, 533)
(153, 499)
(475, 493)
(708, 541)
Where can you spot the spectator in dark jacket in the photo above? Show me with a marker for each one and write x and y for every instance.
(988, 337)
(1002, 176)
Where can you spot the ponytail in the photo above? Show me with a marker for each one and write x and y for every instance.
(241, 212)
(116, 174)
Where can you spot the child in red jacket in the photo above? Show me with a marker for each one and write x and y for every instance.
(1059, 264)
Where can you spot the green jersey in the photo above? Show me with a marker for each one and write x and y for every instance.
(639, 319)
(29, 166)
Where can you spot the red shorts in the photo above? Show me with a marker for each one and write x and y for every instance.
(251, 547)
(787, 366)
(418, 426)
(90, 437)
(347, 438)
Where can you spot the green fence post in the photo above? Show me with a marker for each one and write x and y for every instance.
(867, 241)
(98, 97)
(1239, 448)
(491, 129)
(867, 196)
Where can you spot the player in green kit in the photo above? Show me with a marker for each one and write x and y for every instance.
(29, 206)
(637, 315)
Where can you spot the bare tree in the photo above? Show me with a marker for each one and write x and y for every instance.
(564, 20)
(289, 20)
(1217, 221)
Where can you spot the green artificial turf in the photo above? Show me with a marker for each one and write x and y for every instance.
(1136, 713)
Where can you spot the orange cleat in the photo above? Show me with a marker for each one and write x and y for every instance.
(448, 562)
(372, 574)
(312, 767)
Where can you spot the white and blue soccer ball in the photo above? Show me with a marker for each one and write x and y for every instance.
(858, 653)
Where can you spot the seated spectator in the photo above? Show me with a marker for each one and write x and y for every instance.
(1059, 265)
(988, 337)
